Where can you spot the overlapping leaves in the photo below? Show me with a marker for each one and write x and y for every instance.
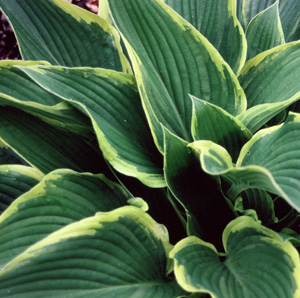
(63, 34)
(14, 181)
(186, 90)
(220, 26)
(171, 61)
(257, 263)
(112, 102)
(269, 161)
(61, 198)
(46, 147)
(212, 123)
(195, 190)
(122, 253)
(263, 33)
(20, 91)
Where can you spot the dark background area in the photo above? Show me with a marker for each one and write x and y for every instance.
(8, 44)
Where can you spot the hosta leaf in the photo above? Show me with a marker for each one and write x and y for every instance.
(278, 151)
(248, 9)
(9, 157)
(288, 10)
(45, 147)
(239, 11)
(212, 123)
(122, 253)
(18, 85)
(62, 197)
(171, 60)
(269, 161)
(63, 34)
(291, 236)
(18, 90)
(272, 76)
(257, 116)
(14, 181)
(258, 263)
(290, 19)
(103, 11)
(112, 102)
(261, 202)
(264, 31)
(163, 207)
(217, 21)
(195, 190)
(214, 158)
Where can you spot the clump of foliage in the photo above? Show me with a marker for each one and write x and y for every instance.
(152, 150)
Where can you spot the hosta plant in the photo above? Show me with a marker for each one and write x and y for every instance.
(152, 150)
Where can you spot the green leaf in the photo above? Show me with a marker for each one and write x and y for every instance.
(264, 31)
(171, 60)
(261, 202)
(288, 10)
(258, 263)
(248, 9)
(122, 253)
(64, 34)
(163, 207)
(290, 19)
(16, 84)
(112, 102)
(195, 190)
(14, 181)
(269, 161)
(277, 149)
(217, 21)
(264, 76)
(291, 236)
(44, 146)
(239, 11)
(212, 123)
(255, 117)
(9, 157)
(61, 198)
(19, 91)
(214, 159)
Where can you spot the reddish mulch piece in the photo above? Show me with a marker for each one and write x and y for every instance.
(8, 44)
(92, 5)
(86, 4)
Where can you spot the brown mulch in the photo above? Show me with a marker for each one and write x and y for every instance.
(8, 44)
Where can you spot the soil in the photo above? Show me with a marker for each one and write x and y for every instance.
(8, 44)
